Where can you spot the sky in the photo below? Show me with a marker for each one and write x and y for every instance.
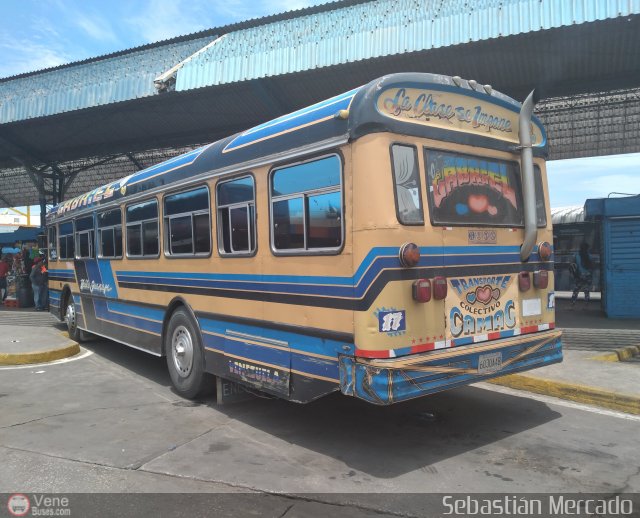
(39, 34)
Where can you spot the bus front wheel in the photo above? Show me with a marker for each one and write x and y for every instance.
(72, 322)
(185, 357)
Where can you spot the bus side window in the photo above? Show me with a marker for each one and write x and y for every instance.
(142, 229)
(406, 180)
(306, 206)
(236, 201)
(53, 244)
(84, 237)
(187, 223)
(541, 213)
(67, 250)
(110, 234)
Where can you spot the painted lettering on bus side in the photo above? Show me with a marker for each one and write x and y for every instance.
(424, 104)
(466, 325)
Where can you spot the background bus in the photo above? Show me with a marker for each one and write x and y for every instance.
(570, 230)
(389, 243)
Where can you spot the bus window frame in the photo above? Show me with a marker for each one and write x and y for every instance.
(54, 229)
(324, 190)
(77, 234)
(100, 229)
(219, 227)
(470, 155)
(539, 185)
(166, 229)
(395, 185)
(66, 236)
(141, 222)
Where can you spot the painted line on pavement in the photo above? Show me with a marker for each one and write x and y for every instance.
(557, 401)
(84, 353)
(593, 396)
(33, 357)
(619, 355)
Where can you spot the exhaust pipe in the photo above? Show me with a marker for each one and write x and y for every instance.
(528, 183)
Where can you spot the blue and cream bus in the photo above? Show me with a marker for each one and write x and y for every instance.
(388, 243)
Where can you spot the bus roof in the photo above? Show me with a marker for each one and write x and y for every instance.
(428, 105)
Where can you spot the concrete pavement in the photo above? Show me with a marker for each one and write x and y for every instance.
(588, 375)
(600, 364)
(28, 336)
(109, 422)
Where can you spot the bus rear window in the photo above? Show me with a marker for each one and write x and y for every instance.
(406, 179)
(467, 190)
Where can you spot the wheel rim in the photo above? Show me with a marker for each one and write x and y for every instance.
(182, 350)
(71, 317)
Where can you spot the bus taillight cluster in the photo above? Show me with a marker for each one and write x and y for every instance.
(424, 289)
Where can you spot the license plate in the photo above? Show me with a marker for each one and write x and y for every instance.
(489, 363)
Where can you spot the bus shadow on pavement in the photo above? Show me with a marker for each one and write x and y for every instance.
(139, 362)
(385, 442)
(377, 441)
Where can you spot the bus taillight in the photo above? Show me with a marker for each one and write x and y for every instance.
(409, 254)
(541, 279)
(439, 288)
(422, 290)
(544, 251)
(524, 281)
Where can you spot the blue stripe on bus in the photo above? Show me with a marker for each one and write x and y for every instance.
(107, 277)
(104, 313)
(64, 274)
(315, 366)
(309, 115)
(296, 351)
(298, 342)
(347, 287)
(430, 256)
(164, 167)
(137, 311)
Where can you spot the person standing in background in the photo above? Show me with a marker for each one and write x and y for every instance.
(4, 271)
(45, 270)
(26, 258)
(582, 273)
(38, 277)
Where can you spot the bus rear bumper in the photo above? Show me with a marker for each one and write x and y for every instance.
(387, 381)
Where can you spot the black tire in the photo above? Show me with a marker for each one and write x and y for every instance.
(72, 322)
(185, 357)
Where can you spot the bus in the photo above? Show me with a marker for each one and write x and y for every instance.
(388, 243)
(570, 229)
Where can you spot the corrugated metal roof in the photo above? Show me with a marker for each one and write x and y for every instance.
(330, 34)
(120, 78)
(562, 215)
(207, 33)
(381, 28)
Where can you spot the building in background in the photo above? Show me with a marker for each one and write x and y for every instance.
(11, 219)
(619, 222)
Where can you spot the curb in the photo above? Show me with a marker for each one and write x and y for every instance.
(619, 355)
(50, 355)
(572, 392)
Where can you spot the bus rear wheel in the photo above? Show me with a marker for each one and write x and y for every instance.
(185, 357)
(71, 319)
